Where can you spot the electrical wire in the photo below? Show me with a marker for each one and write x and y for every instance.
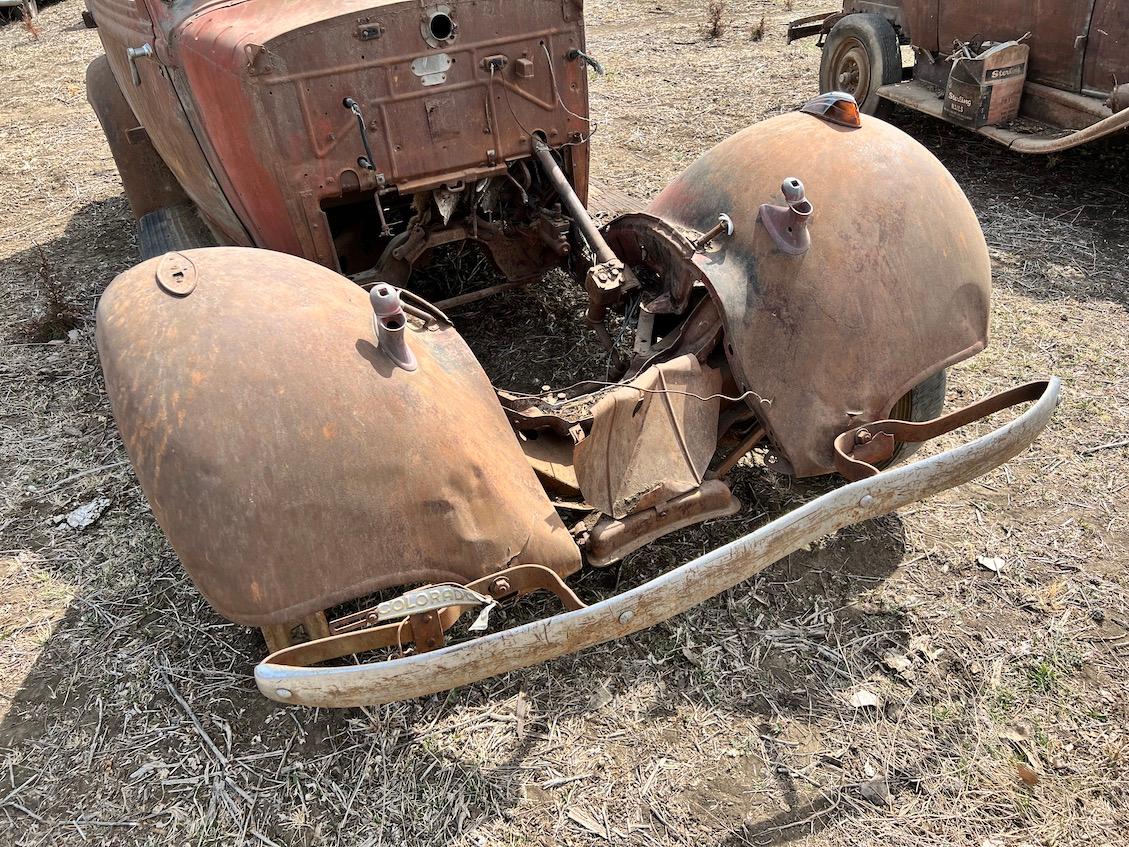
(739, 398)
(557, 89)
(556, 93)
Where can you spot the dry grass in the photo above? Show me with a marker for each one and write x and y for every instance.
(756, 32)
(128, 712)
(715, 25)
(57, 317)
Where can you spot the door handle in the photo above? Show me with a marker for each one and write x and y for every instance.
(132, 54)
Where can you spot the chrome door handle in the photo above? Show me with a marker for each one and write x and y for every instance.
(132, 54)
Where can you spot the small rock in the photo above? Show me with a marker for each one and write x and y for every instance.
(86, 514)
(601, 696)
(877, 791)
(865, 699)
(990, 563)
(923, 644)
(900, 665)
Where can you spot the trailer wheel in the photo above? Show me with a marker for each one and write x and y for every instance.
(860, 55)
(923, 402)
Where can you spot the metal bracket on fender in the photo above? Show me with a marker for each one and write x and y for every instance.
(788, 224)
(858, 450)
(285, 676)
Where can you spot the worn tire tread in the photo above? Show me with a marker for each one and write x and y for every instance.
(172, 228)
(881, 43)
(927, 401)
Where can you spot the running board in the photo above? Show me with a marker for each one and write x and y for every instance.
(606, 202)
(916, 95)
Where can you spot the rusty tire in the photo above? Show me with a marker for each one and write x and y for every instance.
(923, 402)
(860, 55)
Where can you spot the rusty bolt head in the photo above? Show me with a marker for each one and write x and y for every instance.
(863, 436)
(500, 586)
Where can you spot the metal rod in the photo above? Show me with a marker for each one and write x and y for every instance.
(740, 451)
(575, 207)
(473, 296)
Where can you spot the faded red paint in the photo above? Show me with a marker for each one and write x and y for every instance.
(260, 117)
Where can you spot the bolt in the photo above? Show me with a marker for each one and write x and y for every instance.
(500, 586)
(724, 226)
(867, 501)
(863, 436)
(284, 693)
(626, 617)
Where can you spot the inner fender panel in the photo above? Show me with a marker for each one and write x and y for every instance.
(290, 463)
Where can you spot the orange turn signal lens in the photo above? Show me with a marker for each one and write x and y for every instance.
(835, 107)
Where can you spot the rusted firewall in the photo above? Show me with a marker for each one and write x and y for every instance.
(290, 463)
(894, 286)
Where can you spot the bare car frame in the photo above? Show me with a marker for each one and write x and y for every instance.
(306, 443)
(1077, 87)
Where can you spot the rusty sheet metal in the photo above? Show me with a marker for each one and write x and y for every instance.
(551, 458)
(125, 24)
(1058, 32)
(652, 439)
(611, 539)
(291, 465)
(882, 299)
(1107, 48)
(267, 80)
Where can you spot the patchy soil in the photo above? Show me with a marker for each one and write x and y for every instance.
(879, 688)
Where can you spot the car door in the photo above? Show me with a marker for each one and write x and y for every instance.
(125, 25)
(1058, 32)
(1107, 48)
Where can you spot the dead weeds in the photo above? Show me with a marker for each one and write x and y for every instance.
(57, 316)
(715, 25)
(880, 688)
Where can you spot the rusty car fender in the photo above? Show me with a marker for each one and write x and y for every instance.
(834, 314)
(292, 464)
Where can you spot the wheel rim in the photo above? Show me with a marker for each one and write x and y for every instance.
(850, 69)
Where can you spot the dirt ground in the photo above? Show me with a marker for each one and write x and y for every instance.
(128, 711)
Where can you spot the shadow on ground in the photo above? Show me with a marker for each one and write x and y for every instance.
(1041, 213)
(140, 674)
